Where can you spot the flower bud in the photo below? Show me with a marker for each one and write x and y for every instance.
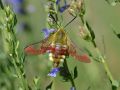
(84, 33)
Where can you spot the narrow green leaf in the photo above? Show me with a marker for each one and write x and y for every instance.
(23, 56)
(90, 30)
(88, 52)
(117, 34)
(75, 72)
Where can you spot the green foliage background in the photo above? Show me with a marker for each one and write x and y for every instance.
(102, 17)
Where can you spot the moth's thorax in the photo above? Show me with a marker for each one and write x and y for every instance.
(60, 37)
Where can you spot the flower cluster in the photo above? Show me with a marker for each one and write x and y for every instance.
(84, 34)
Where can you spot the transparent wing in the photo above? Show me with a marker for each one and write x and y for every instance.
(38, 47)
(77, 53)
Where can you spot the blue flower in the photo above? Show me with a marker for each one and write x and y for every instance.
(47, 32)
(53, 72)
(72, 88)
(63, 8)
(57, 2)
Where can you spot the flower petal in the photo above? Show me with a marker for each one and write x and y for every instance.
(47, 32)
(63, 8)
(53, 72)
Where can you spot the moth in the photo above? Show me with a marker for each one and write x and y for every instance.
(59, 47)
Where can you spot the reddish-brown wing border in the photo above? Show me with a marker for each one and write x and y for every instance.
(74, 53)
(38, 48)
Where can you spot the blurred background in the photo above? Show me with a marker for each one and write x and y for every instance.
(102, 17)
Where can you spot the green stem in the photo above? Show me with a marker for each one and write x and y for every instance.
(56, 12)
(15, 60)
(105, 65)
(107, 69)
(55, 7)
(10, 41)
(19, 74)
(69, 74)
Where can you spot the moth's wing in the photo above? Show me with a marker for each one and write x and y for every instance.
(38, 47)
(77, 52)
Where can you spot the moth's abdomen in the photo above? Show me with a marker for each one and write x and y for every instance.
(58, 53)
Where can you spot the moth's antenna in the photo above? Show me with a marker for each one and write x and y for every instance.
(70, 21)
